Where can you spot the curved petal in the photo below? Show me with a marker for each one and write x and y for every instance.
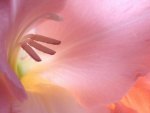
(25, 7)
(24, 14)
(105, 47)
(6, 74)
(46, 98)
(120, 108)
(5, 97)
(4, 20)
(138, 97)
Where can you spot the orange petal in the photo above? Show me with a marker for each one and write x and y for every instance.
(138, 97)
(120, 108)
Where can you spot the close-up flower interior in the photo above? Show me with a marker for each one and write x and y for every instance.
(74, 56)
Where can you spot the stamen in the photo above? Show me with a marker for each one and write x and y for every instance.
(31, 41)
(44, 39)
(30, 51)
(40, 47)
(54, 16)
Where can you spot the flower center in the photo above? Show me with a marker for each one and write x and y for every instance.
(31, 41)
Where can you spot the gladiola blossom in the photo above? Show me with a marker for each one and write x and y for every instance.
(104, 50)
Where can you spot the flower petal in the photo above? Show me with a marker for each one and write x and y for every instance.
(5, 97)
(105, 47)
(120, 108)
(4, 20)
(6, 73)
(25, 7)
(46, 98)
(24, 14)
(138, 97)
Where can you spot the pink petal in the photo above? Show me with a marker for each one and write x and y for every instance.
(24, 12)
(44, 97)
(4, 21)
(11, 80)
(5, 97)
(105, 46)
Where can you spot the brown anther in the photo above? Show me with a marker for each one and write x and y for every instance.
(41, 47)
(31, 41)
(45, 39)
(30, 51)
(54, 17)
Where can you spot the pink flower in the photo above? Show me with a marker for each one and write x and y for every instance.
(104, 49)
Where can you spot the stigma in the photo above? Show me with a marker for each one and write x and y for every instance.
(31, 41)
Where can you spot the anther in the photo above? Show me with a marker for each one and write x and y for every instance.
(45, 39)
(41, 47)
(31, 42)
(53, 16)
(30, 51)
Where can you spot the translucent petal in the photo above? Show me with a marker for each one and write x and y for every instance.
(105, 47)
(138, 97)
(5, 97)
(120, 108)
(24, 14)
(11, 80)
(44, 97)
